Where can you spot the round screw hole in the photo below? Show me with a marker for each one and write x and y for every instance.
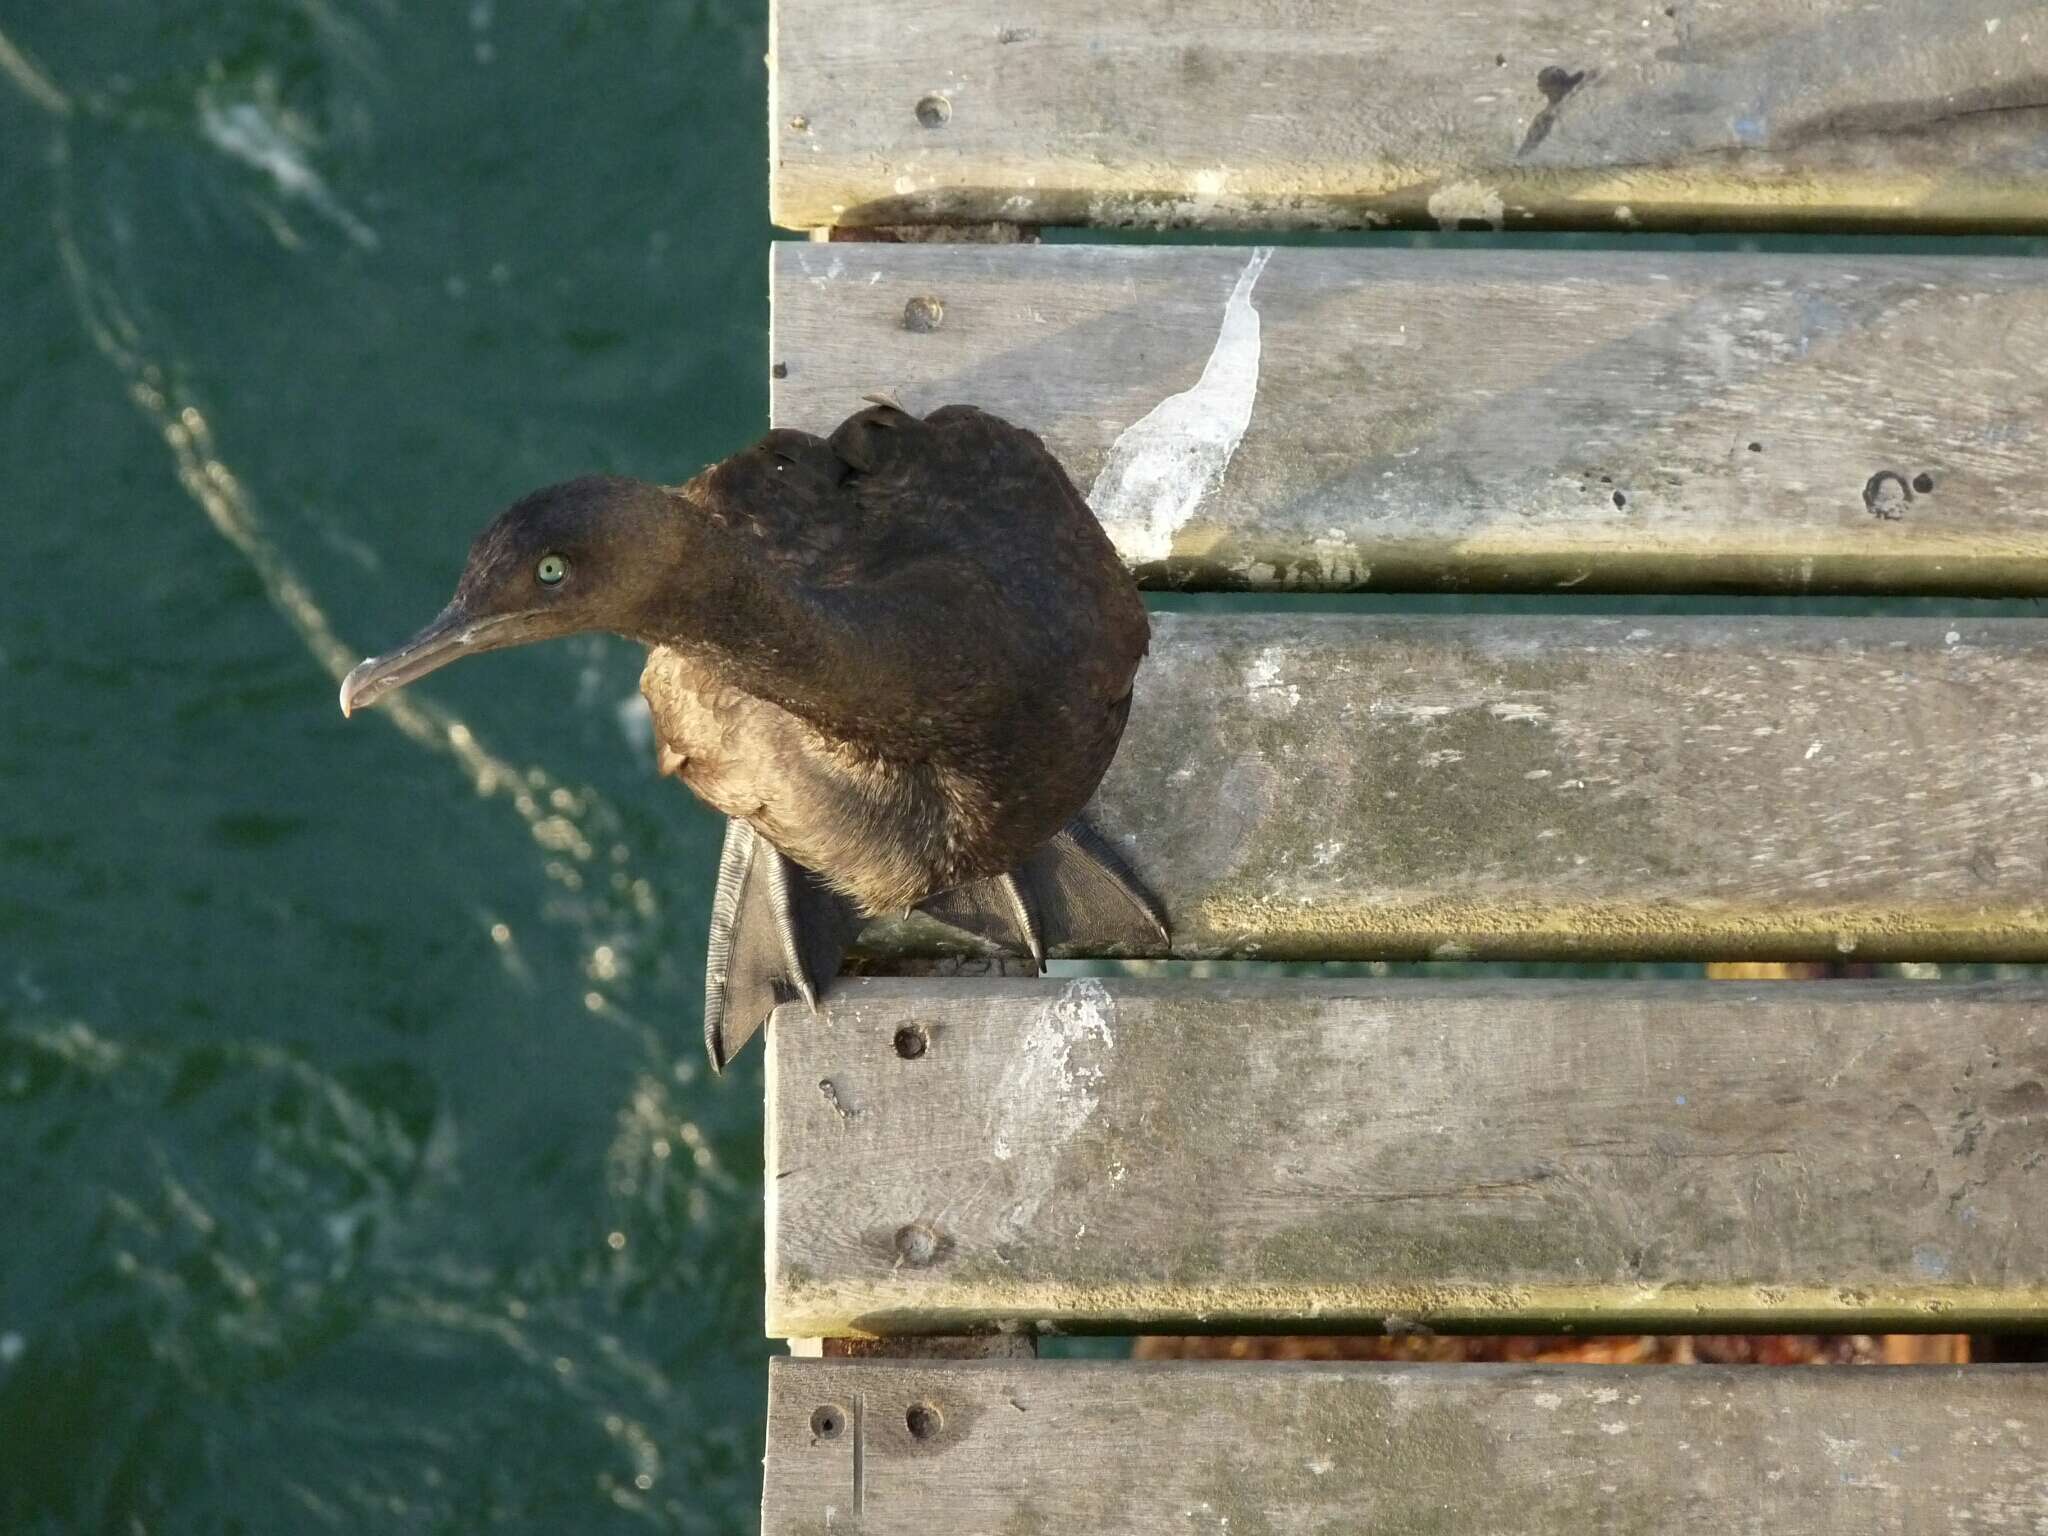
(1756, 447)
(933, 110)
(910, 1042)
(827, 1422)
(1923, 482)
(918, 1245)
(923, 1421)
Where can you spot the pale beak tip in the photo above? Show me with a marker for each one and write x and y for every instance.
(453, 634)
(351, 686)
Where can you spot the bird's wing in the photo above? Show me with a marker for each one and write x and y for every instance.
(888, 493)
(958, 478)
(786, 497)
(918, 560)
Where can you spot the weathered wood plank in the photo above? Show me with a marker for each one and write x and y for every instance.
(1158, 1156)
(1771, 114)
(1357, 788)
(1388, 419)
(1136, 1450)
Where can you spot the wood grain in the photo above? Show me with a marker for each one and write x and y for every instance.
(1259, 1450)
(1486, 420)
(1330, 787)
(1904, 114)
(1494, 1157)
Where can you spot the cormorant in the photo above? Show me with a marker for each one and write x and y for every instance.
(898, 658)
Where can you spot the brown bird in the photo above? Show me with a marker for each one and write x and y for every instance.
(898, 658)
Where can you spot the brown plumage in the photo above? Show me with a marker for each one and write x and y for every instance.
(899, 658)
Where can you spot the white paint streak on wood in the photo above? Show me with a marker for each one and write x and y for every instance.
(1048, 1093)
(1266, 682)
(1163, 464)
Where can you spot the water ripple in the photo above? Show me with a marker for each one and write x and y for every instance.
(37, 86)
(567, 826)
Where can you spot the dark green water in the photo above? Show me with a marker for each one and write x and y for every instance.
(360, 1168)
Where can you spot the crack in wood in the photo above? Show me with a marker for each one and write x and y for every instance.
(860, 1413)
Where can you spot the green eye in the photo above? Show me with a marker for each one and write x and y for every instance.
(551, 570)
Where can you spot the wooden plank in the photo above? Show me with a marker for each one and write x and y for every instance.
(932, 1346)
(1533, 1156)
(1335, 787)
(1124, 1449)
(1903, 114)
(1520, 420)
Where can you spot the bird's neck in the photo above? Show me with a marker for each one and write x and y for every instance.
(710, 594)
(718, 597)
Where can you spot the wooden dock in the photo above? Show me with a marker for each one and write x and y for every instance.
(956, 1167)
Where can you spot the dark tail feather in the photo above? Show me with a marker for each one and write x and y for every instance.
(777, 934)
(1074, 890)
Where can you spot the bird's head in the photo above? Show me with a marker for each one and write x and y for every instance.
(582, 555)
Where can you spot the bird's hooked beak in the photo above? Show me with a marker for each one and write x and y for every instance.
(454, 634)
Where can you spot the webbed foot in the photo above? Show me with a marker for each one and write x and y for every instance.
(1075, 888)
(777, 934)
